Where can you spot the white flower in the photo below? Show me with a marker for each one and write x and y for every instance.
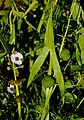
(11, 89)
(16, 58)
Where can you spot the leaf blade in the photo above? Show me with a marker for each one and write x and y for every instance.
(57, 71)
(49, 42)
(37, 64)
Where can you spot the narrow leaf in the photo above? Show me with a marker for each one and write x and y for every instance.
(49, 37)
(57, 71)
(40, 23)
(12, 37)
(30, 7)
(2, 55)
(76, 9)
(37, 64)
(30, 24)
(10, 21)
(45, 110)
(78, 55)
(81, 44)
(49, 42)
(4, 43)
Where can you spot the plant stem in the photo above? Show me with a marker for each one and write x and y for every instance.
(62, 44)
(47, 89)
(47, 116)
(17, 92)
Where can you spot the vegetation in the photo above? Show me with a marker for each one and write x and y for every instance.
(41, 59)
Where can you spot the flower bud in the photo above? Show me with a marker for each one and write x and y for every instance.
(8, 68)
(18, 98)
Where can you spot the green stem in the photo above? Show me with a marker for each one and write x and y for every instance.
(17, 92)
(47, 89)
(62, 44)
(47, 116)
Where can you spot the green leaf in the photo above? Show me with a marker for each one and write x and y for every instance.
(19, 24)
(78, 56)
(10, 21)
(49, 42)
(65, 54)
(30, 24)
(17, 13)
(1, 2)
(40, 23)
(26, 1)
(7, 3)
(37, 64)
(49, 37)
(76, 9)
(0, 112)
(80, 103)
(69, 98)
(30, 7)
(48, 81)
(5, 18)
(74, 68)
(4, 101)
(4, 12)
(57, 71)
(4, 43)
(81, 44)
(49, 94)
(2, 55)
(78, 118)
(68, 84)
(12, 37)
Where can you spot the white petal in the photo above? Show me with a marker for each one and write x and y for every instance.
(19, 62)
(11, 86)
(19, 55)
(12, 92)
(8, 89)
(13, 57)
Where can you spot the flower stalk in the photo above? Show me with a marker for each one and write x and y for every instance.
(17, 92)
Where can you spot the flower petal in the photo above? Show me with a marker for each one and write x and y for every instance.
(19, 62)
(11, 86)
(19, 55)
(13, 57)
(10, 91)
